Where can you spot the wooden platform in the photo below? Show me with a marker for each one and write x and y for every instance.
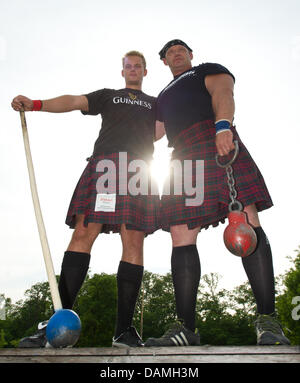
(201, 354)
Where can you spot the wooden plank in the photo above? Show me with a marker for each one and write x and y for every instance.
(201, 354)
(153, 350)
(158, 359)
(178, 359)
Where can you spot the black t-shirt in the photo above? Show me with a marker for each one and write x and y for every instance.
(185, 100)
(128, 121)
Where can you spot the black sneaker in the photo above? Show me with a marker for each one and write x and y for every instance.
(269, 331)
(129, 338)
(37, 340)
(177, 335)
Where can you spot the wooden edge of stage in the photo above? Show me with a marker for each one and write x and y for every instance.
(191, 354)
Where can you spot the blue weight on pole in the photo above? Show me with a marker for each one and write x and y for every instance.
(63, 328)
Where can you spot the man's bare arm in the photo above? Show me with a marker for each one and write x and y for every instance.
(159, 130)
(59, 104)
(220, 87)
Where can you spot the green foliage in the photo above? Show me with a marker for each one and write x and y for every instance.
(289, 310)
(157, 296)
(3, 342)
(96, 307)
(223, 317)
(23, 317)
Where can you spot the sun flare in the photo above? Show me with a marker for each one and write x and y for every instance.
(160, 168)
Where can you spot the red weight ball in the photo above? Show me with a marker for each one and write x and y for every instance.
(239, 237)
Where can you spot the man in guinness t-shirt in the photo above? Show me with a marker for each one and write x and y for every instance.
(126, 135)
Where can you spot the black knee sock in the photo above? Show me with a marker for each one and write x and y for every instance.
(129, 279)
(186, 273)
(73, 272)
(259, 269)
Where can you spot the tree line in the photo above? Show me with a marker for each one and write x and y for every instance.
(224, 317)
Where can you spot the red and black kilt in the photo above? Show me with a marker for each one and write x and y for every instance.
(138, 212)
(198, 143)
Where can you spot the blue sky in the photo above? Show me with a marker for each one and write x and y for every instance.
(55, 47)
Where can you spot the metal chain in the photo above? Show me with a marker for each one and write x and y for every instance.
(231, 180)
(232, 190)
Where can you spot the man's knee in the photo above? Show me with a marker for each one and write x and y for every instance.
(133, 242)
(132, 238)
(183, 236)
(85, 234)
(252, 215)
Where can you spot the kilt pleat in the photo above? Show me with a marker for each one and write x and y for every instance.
(198, 143)
(138, 212)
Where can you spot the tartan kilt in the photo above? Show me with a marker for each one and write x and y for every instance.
(139, 212)
(198, 143)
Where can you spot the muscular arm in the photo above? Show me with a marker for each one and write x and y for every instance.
(220, 87)
(65, 104)
(159, 130)
(59, 104)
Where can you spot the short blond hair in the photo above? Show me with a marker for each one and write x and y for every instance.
(135, 53)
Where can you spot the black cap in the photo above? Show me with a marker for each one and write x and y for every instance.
(163, 52)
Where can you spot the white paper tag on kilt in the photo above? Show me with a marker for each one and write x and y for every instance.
(105, 202)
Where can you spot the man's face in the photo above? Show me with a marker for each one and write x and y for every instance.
(133, 70)
(178, 58)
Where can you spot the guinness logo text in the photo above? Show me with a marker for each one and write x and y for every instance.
(132, 101)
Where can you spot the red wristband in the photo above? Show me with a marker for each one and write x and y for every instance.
(37, 105)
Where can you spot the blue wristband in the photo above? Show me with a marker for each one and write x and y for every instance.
(222, 125)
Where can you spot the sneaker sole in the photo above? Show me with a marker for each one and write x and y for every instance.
(178, 340)
(268, 339)
(173, 344)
